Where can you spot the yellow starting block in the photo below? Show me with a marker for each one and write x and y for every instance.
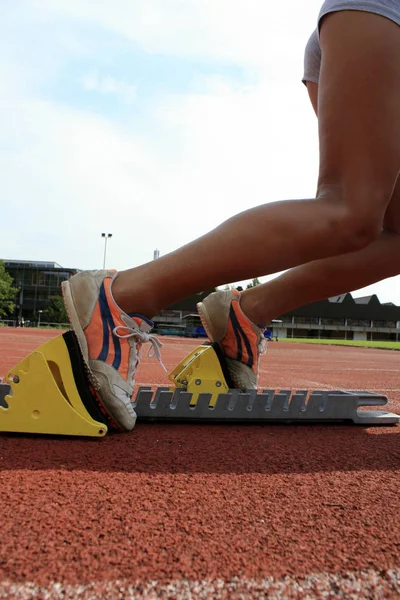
(201, 372)
(48, 393)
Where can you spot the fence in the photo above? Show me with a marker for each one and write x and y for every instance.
(43, 324)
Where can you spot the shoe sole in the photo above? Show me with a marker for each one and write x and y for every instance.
(205, 320)
(80, 334)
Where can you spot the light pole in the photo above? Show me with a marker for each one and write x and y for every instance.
(40, 312)
(105, 236)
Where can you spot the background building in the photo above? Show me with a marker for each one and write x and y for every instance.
(36, 281)
(343, 317)
(340, 317)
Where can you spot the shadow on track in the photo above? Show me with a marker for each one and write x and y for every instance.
(268, 449)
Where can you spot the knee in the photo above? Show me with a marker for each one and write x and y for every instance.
(354, 224)
(359, 230)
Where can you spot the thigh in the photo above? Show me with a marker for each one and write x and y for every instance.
(359, 108)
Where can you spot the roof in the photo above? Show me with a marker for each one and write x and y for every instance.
(338, 299)
(42, 264)
(363, 300)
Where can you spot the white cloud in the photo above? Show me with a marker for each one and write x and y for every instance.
(238, 149)
(108, 85)
(247, 32)
(74, 174)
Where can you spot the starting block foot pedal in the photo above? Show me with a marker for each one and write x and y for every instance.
(203, 371)
(48, 393)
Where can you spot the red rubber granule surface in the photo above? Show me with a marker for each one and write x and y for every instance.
(210, 511)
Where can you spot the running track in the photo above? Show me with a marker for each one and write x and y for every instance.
(186, 511)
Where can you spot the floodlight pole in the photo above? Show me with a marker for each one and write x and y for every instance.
(105, 236)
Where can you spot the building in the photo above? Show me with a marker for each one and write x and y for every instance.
(36, 281)
(342, 317)
(177, 318)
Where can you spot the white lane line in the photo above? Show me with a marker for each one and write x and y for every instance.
(357, 584)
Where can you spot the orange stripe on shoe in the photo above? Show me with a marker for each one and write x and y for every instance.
(124, 347)
(243, 330)
(251, 337)
(229, 343)
(111, 347)
(94, 332)
(124, 366)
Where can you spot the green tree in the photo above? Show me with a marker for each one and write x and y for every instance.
(55, 311)
(7, 292)
(253, 283)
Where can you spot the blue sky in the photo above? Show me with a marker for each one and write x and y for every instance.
(151, 119)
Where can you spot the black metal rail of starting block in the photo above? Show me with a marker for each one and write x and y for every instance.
(268, 406)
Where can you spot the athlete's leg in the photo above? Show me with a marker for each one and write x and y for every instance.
(324, 278)
(359, 128)
(321, 279)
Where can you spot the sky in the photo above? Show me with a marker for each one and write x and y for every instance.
(153, 120)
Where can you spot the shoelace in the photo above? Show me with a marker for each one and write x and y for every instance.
(142, 338)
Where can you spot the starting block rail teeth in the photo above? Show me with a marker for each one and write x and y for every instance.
(268, 406)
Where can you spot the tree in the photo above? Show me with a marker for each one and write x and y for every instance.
(7, 292)
(254, 283)
(55, 311)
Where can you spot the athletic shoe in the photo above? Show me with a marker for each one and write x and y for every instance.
(110, 341)
(241, 341)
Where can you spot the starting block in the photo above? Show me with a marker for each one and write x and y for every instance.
(49, 393)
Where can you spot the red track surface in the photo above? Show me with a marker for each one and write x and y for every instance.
(186, 511)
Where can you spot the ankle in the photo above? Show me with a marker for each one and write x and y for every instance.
(139, 300)
(253, 309)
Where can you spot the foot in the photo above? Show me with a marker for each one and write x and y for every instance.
(110, 341)
(241, 341)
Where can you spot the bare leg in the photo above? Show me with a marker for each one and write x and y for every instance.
(262, 240)
(321, 279)
(359, 118)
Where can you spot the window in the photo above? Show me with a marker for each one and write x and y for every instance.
(332, 321)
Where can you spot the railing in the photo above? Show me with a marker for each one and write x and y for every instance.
(7, 322)
(52, 325)
(321, 327)
(27, 324)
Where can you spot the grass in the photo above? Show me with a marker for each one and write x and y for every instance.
(358, 343)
